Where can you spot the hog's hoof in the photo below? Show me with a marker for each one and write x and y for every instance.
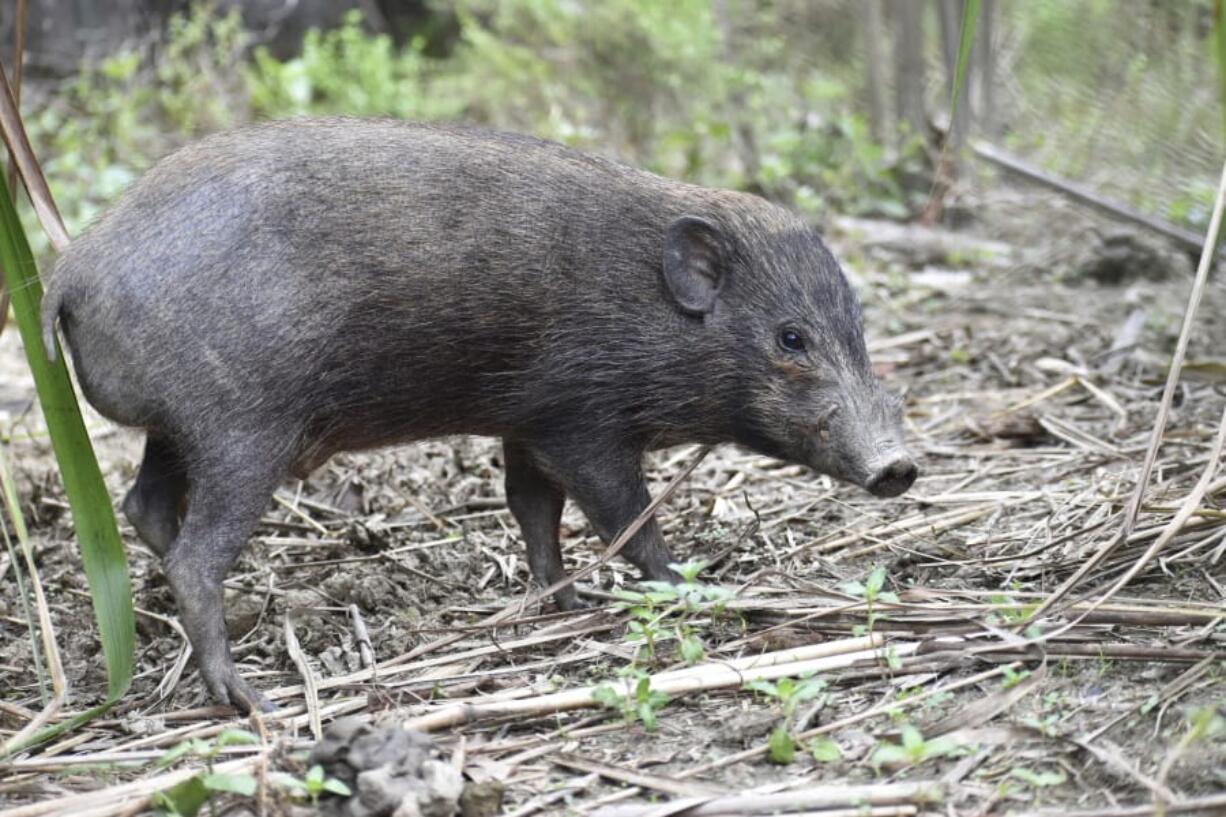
(663, 574)
(568, 601)
(228, 687)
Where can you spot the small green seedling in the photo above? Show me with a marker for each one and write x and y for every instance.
(789, 694)
(638, 701)
(913, 749)
(186, 798)
(313, 785)
(870, 590)
(1013, 677)
(664, 609)
(825, 750)
(1007, 611)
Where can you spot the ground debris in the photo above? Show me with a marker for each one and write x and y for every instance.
(393, 772)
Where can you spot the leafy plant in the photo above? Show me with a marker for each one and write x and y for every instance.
(313, 785)
(912, 749)
(664, 609)
(636, 700)
(788, 694)
(186, 798)
(825, 750)
(870, 590)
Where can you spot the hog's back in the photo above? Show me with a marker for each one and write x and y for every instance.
(360, 279)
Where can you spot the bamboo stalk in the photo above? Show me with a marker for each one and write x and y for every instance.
(708, 677)
(818, 797)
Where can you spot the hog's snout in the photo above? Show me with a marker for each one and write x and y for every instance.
(893, 478)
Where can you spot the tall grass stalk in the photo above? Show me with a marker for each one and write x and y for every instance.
(102, 551)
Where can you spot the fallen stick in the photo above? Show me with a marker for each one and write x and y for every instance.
(841, 654)
(668, 785)
(919, 524)
(1212, 804)
(818, 797)
(1189, 240)
(124, 797)
(771, 659)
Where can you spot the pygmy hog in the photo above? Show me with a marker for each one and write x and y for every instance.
(264, 298)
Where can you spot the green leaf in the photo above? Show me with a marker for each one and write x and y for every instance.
(648, 716)
(235, 737)
(874, 583)
(287, 781)
(1219, 31)
(660, 591)
(939, 747)
(692, 650)
(765, 687)
(173, 754)
(809, 688)
(337, 787)
(781, 748)
(689, 570)
(184, 798)
(243, 784)
(889, 754)
(1014, 677)
(1039, 779)
(825, 750)
(106, 566)
(315, 774)
(912, 740)
(642, 690)
(607, 695)
(970, 19)
(853, 588)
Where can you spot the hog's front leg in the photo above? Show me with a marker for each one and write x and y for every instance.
(606, 481)
(536, 503)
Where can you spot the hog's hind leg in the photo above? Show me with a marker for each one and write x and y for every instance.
(536, 503)
(229, 491)
(154, 502)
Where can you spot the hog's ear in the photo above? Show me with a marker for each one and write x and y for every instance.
(695, 267)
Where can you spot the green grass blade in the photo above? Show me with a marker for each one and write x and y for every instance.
(966, 41)
(1219, 49)
(106, 565)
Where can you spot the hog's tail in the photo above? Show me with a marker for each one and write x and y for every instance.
(53, 300)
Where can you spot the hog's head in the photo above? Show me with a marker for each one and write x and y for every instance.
(795, 382)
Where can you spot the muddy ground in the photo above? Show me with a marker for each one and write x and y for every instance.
(1031, 435)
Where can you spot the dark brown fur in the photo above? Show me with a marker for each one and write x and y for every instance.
(267, 297)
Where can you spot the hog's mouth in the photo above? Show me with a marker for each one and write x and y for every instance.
(884, 476)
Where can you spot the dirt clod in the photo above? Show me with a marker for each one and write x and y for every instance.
(393, 772)
(482, 799)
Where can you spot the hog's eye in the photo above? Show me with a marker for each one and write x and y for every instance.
(792, 340)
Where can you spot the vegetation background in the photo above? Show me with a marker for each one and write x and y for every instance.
(829, 105)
